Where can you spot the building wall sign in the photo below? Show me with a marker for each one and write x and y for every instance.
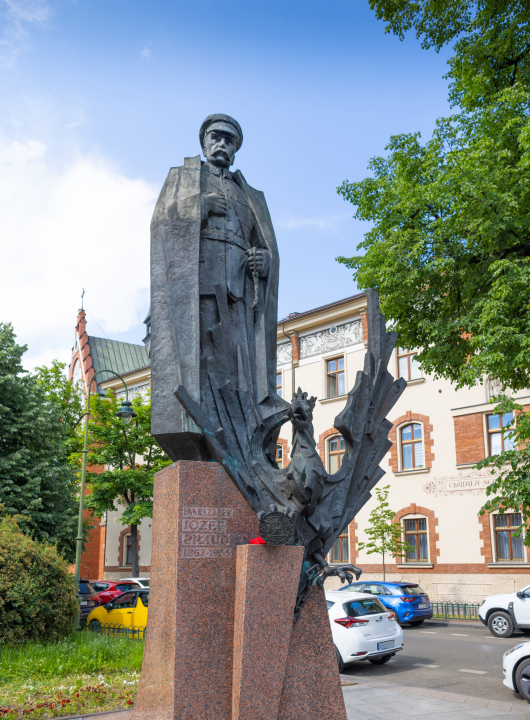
(461, 485)
(349, 333)
(284, 353)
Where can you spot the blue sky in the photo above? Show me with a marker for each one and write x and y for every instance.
(99, 99)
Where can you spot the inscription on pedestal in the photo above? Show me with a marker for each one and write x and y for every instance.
(204, 533)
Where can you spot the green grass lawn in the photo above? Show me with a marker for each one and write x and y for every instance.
(84, 673)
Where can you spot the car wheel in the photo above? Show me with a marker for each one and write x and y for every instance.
(416, 623)
(500, 624)
(522, 679)
(381, 660)
(95, 626)
(340, 662)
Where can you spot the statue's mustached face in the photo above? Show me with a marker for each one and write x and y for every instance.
(220, 148)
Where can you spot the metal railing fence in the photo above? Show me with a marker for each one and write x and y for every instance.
(133, 632)
(455, 610)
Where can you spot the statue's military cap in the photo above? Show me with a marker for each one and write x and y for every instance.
(230, 125)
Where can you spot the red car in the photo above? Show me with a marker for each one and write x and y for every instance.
(107, 590)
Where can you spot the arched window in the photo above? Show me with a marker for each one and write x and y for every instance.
(335, 453)
(416, 537)
(411, 440)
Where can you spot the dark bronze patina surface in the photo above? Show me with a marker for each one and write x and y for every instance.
(214, 275)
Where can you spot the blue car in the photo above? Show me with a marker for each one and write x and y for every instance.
(407, 600)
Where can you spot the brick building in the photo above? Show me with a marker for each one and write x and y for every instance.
(438, 434)
(89, 355)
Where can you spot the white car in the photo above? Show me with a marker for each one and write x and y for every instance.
(516, 669)
(144, 582)
(503, 614)
(362, 628)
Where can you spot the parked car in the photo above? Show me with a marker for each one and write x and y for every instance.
(89, 599)
(128, 610)
(107, 591)
(362, 629)
(504, 614)
(407, 600)
(143, 581)
(516, 669)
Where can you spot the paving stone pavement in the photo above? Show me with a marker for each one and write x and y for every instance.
(374, 700)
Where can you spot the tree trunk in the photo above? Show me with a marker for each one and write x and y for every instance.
(384, 569)
(135, 566)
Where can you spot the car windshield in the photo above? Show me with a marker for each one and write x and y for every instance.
(353, 588)
(124, 587)
(144, 597)
(144, 582)
(411, 590)
(364, 606)
(85, 588)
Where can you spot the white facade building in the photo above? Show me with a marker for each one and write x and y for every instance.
(439, 433)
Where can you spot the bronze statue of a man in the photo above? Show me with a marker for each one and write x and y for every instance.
(214, 287)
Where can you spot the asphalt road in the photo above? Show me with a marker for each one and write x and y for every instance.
(452, 656)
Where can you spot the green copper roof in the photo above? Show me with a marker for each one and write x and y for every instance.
(118, 356)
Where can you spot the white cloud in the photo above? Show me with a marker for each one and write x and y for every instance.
(146, 52)
(18, 17)
(65, 226)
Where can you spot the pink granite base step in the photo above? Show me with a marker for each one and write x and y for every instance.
(266, 586)
(311, 686)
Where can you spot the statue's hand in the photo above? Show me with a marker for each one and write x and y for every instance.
(258, 261)
(214, 204)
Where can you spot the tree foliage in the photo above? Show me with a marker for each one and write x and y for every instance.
(37, 417)
(490, 40)
(37, 594)
(449, 248)
(386, 535)
(130, 456)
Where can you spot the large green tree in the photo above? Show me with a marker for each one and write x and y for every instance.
(130, 456)
(490, 41)
(449, 244)
(38, 412)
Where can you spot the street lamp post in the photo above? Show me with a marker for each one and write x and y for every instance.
(126, 413)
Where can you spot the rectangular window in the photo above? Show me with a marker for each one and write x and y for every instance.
(340, 552)
(128, 550)
(416, 536)
(509, 547)
(407, 364)
(498, 425)
(335, 377)
(279, 384)
(279, 456)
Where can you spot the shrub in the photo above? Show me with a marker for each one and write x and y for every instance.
(37, 593)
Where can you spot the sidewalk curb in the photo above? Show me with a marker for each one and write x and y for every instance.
(80, 716)
(515, 709)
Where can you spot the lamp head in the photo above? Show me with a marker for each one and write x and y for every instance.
(126, 412)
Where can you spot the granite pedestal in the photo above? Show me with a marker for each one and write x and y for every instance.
(220, 640)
